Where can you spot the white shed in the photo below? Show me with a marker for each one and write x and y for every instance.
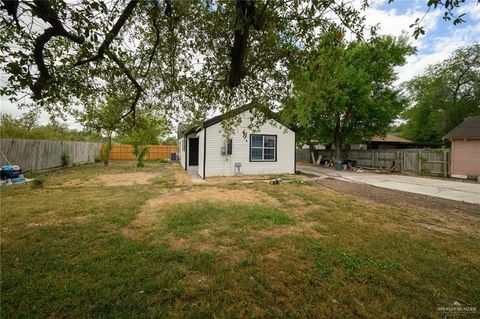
(268, 150)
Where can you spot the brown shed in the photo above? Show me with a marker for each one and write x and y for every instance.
(465, 155)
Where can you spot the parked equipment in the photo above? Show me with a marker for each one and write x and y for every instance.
(10, 171)
(10, 174)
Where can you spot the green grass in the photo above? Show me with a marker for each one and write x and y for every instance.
(188, 218)
(88, 250)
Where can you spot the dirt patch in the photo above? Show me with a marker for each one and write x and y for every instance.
(181, 176)
(214, 194)
(226, 180)
(121, 179)
(126, 179)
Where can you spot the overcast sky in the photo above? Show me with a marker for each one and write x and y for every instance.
(440, 40)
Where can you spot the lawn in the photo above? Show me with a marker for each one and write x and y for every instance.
(121, 242)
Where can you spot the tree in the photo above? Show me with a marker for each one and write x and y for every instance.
(103, 115)
(191, 56)
(27, 127)
(441, 98)
(170, 140)
(149, 130)
(343, 92)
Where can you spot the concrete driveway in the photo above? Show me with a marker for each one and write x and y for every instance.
(448, 189)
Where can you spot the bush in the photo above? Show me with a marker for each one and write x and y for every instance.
(38, 182)
(140, 152)
(65, 159)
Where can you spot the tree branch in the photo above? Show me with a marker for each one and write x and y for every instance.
(238, 52)
(112, 34)
(44, 11)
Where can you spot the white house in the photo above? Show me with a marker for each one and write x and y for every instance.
(268, 150)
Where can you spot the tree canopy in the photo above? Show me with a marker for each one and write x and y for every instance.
(27, 127)
(441, 98)
(193, 55)
(343, 93)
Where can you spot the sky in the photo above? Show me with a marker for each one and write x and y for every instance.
(442, 38)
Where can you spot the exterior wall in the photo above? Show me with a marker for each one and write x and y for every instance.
(224, 165)
(181, 145)
(200, 152)
(465, 158)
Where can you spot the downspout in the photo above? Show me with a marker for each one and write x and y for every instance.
(186, 152)
(204, 151)
(295, 153)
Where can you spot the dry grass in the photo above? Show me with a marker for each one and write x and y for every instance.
(229, 180)
(181, 176)
(167, 248)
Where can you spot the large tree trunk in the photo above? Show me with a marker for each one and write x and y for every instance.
(338, 141)
(338, 150)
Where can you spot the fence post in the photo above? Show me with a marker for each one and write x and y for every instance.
(419, 154)
(445, 165)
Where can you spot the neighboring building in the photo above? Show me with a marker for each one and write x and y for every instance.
(465, 153)
(269, 150)
(389, 141)
(377, 142)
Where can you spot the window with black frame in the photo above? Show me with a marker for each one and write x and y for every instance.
(263, 148)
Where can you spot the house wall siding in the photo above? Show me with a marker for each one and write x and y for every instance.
(465, 157)
(224, 165)
(200, 152)
(181, 142)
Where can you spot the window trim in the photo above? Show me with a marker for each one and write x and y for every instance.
(263, 147)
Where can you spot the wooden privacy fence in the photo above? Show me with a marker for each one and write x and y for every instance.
(423, 161)
(33, 155)
(124, 152)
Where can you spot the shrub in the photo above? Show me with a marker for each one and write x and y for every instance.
(38, 182)
(65, 159)
(140, 152)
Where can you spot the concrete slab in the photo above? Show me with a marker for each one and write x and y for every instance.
(193, 173)
(448, 189)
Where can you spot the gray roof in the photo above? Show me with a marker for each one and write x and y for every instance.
(469, 128)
